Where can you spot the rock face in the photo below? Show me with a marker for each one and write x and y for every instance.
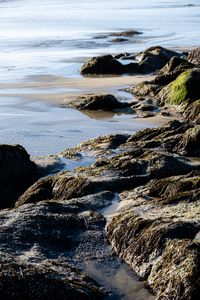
(194, 57)
(18, 172)
(192, 112)
(105, 102)
(157, 233)
(39, 245)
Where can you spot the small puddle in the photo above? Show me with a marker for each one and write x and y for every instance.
(122, 283)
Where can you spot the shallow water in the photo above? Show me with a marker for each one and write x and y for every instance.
(53, 37)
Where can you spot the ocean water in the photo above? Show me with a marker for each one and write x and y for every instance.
(54, 37)
(42, 40)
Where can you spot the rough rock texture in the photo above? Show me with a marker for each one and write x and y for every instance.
(106, 102)
(40, 244)
(194, 57)
(166, 75)
(139, 159)
(18, 172)
(156, 231)
(183, 91)
(192, 112)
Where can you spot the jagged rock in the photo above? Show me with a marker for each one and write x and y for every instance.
(172, 70)
(166, 75)
(47, 280)
(18, 172)
(41, 243)
(192, 112)
(96, 147)
(156, 231)
(194, 57)
(190, 143)
(116, 173)
(183, 91)
(106, 102)
(155, 58)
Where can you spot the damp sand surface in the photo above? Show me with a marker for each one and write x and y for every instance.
(31, 115)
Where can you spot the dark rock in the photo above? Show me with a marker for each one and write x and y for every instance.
(194, 57)
(128, 33)
(155, 58)
(192, 112)
(119, 40)
(190, 143)
(47, 280)
(40, 244)
(18, 172)
(172, 70)
(106, 102)
(106, 64)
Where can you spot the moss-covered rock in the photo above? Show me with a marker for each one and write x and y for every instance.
(183, 91)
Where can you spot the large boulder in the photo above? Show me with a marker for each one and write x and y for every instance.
(18, 172)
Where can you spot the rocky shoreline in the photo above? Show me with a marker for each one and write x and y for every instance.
(51, 225)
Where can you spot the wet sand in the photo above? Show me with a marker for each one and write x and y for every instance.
(31, 114)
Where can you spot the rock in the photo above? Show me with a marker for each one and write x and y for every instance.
(106, 64)
(105, 102)
(194, 57)
(102, 145)
(166, 75)
(183, 91)
(42, 247)
(46, 280)
(115, 173)
(172, 70)
(128, 33)
(190, 143)
(156, 231)
(155, 58)
(119, 40)
(192, 112)
(145, 88)
(18, 172)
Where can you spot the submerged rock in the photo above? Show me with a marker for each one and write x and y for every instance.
(18, 172)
